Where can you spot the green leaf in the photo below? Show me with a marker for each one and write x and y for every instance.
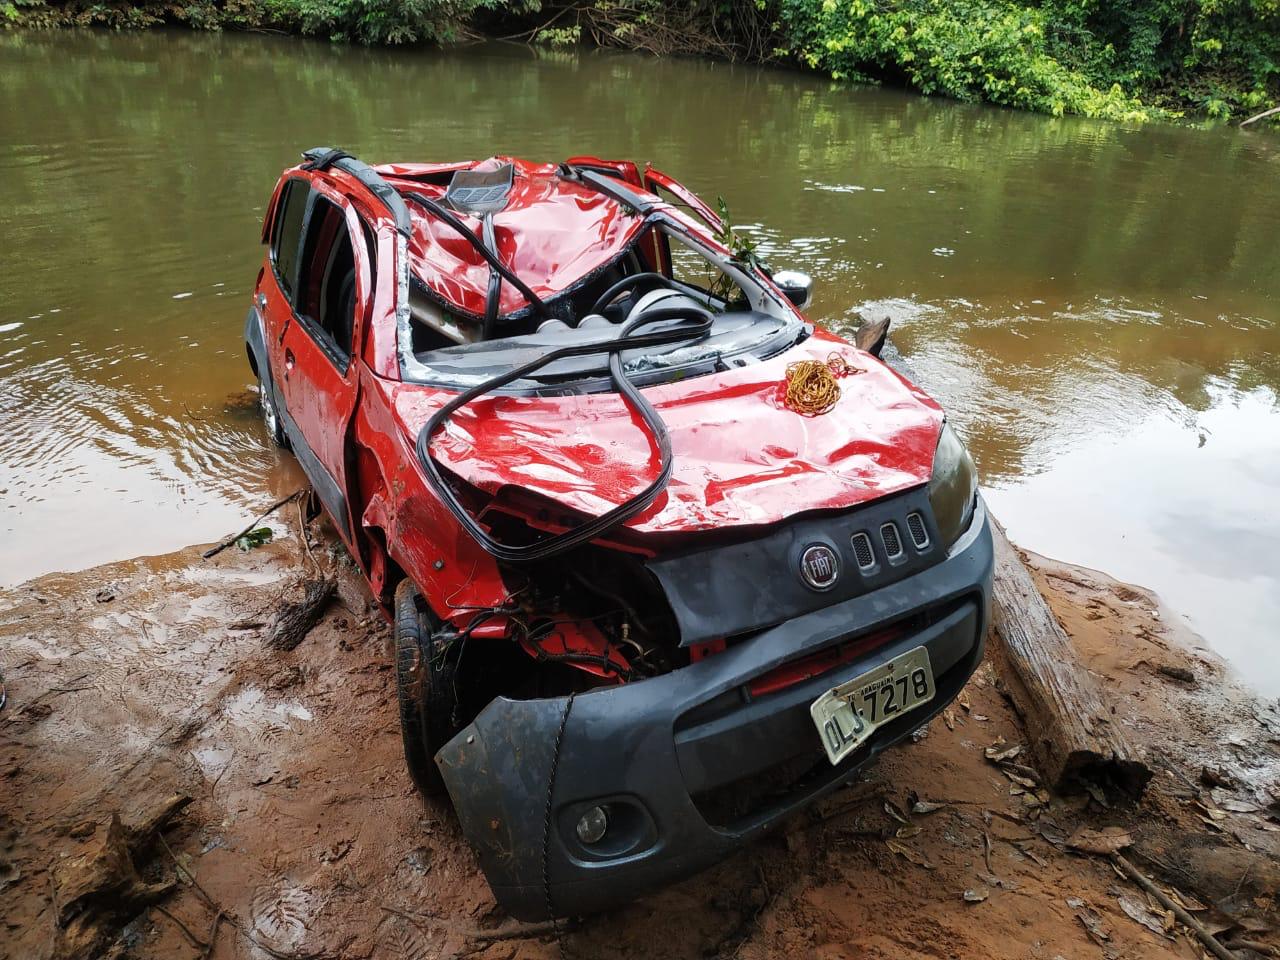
(254, 538)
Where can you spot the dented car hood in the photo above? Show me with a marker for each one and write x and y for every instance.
(741, 457)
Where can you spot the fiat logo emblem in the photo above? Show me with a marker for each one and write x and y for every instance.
(819, 566)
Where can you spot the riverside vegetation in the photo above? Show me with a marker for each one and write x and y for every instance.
(1120, 59)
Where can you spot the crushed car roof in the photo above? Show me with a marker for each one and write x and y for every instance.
(553, 233)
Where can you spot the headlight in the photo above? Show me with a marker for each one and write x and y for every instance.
(953, 487)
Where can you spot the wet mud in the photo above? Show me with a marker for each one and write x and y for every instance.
(134, 682)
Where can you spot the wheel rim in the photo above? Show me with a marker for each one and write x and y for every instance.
(268, 410)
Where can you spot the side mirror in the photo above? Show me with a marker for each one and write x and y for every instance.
(796, 285)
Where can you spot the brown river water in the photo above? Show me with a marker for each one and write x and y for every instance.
(1096, 305)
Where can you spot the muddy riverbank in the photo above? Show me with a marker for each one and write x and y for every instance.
(135, 681)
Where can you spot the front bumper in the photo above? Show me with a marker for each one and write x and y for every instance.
(660, 753)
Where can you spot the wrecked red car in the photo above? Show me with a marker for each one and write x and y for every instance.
(665, 560)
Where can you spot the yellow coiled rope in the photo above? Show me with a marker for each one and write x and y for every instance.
(812, 387)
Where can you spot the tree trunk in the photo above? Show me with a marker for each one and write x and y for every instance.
(1068, 723)
(1069, 727)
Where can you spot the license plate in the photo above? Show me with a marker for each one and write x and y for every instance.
(847, 715)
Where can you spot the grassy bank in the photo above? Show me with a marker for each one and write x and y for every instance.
(1119, 59)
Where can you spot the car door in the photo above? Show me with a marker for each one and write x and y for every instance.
(314, 309)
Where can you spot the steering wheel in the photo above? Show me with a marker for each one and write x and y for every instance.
(633, 283)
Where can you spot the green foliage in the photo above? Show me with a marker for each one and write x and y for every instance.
(741, 248)
(379, 21)
(559, 36)
(1117, 59)
(1219, 56)
(210, 15)
(254, 538)
(967, 49)
(37, 13)
(724, 29)
(362, 21)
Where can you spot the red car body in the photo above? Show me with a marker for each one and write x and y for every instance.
(743, 462)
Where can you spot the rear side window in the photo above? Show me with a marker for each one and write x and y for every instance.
(288, 236)
(327, 287)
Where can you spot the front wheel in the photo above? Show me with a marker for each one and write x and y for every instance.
(271, 416)
(424, 689)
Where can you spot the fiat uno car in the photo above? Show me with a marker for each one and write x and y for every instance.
(649, 596)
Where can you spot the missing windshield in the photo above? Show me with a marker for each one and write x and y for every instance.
(687, 278)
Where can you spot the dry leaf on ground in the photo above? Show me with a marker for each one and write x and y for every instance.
(926, 806)
(1141, 913)
(1093, 924)
(1103, 842)
(902, 850)
(998, 752)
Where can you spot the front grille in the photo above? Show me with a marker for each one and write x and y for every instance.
(872, 546)
(919, 535)
(892, 541)
(839, 652)
(736, 801)
(824, 661)
(862, 551)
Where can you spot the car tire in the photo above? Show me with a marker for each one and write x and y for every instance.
(271, 416)
(424, 691)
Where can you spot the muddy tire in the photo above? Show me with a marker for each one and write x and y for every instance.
(271, 416)
(424, 691)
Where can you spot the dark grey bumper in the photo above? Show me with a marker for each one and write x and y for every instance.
(654, 750)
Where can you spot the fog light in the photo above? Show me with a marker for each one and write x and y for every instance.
(592, 825)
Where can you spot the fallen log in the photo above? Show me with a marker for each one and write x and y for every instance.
(295, 620)
(150, 823)
(1069, 727)
(1068, 723)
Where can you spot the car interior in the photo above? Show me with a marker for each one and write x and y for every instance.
(435, 327)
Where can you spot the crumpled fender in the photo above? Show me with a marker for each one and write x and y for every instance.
(498, 772)
(255, 341)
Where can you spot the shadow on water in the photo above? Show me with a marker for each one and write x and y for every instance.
(1095, 304)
